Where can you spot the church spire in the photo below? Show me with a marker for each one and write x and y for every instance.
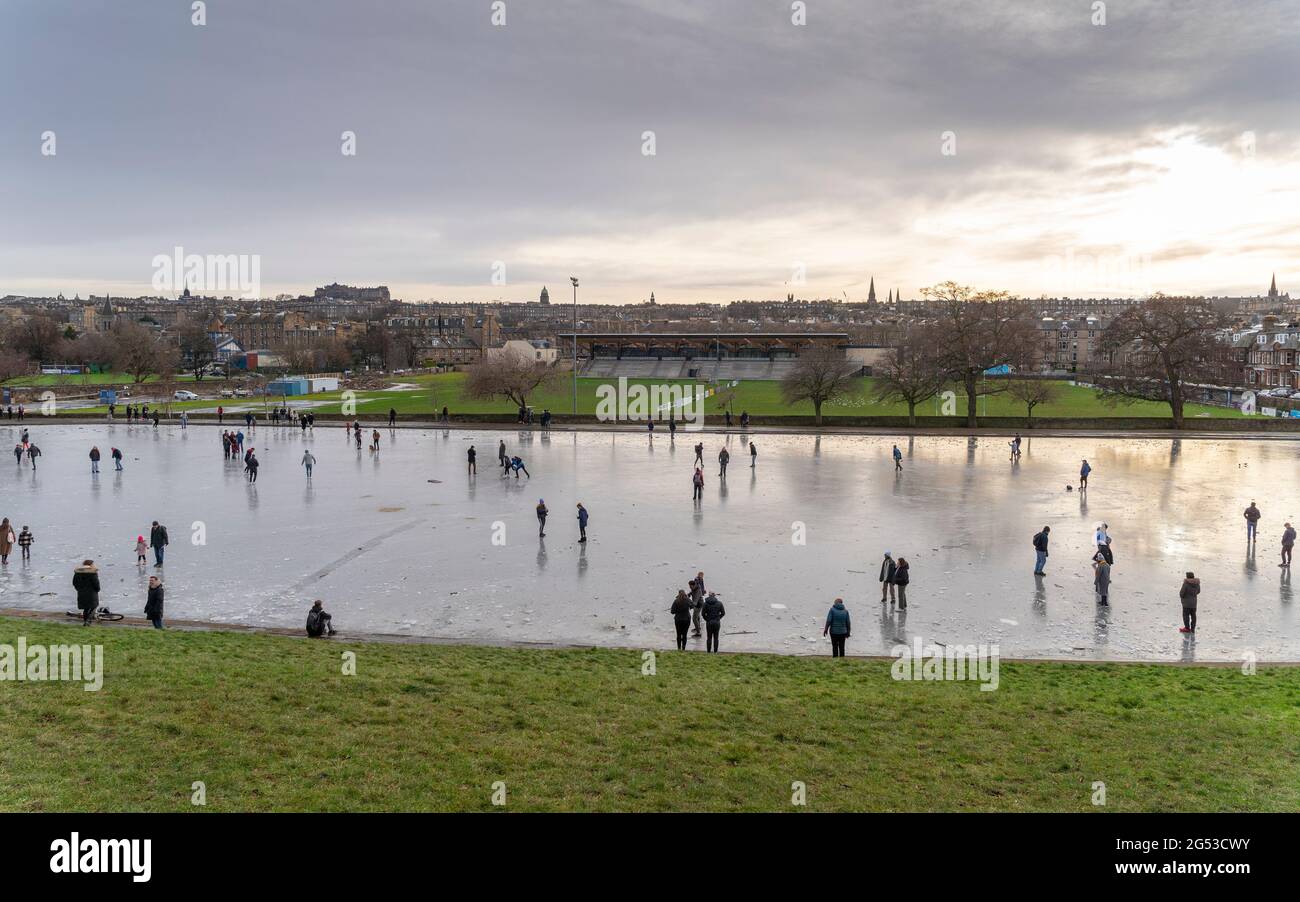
(1272, 288)
(871, 292)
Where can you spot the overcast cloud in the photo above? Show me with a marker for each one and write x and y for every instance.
(1164, 144)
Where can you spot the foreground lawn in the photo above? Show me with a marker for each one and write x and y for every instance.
(271, 724)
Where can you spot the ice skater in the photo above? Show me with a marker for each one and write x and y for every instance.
(1188, 593)
(517, 464)
(541, 517)
(1252, 516)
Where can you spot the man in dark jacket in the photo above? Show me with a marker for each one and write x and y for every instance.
(541, 517)
(713, 614)
(1252, 516)
(318, 621)
(582, 522)
(85, 579)
(887, 568)
(1190, 589)
(1040, 550)
(1288, 542)
(153, 606)
(158, 542)
(838, 627)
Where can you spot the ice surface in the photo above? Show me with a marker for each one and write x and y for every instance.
(391, 551)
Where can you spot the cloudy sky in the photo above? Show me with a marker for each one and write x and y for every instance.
(1159, 151)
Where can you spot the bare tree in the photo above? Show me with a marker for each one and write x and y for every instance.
(139, 352)
(508, 375)
(39, 337)
(1159, 351)
(197, 348)
(14, 363)
(820, 374)
(912, 372)
(1032, 392)
(95, 350)
(978, 331)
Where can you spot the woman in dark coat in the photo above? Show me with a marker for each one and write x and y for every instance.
(6, 540)
(85, 579)
(681, 611)
(153, 606)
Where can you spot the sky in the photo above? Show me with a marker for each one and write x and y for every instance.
(705, 151)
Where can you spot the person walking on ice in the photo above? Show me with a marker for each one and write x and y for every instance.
(541, 517)
(1288, 541)
(1084, 470)
(473, 466)
(94, 459)
(898, 460)
(697, 480)
(1040, 550)
(724, 457)
(699, 455)
(25, 539)
(308, 461)
(582, 522)
(753, 456)
(117, 458)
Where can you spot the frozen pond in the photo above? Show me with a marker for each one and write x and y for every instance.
(392, 552)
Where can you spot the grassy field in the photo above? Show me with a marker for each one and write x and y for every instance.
(271, 724)
(90, 380)
(760, 398)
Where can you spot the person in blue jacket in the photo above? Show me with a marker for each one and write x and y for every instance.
(582, 522)
(838, 627)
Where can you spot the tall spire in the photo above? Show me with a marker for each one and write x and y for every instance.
(871, 293)
(1272, 288)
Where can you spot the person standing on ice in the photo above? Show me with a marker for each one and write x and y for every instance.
(158, 542)
(308, 461)
(724, 457)
(1084, 470)
(898, 460)
(541, 517)
(1040, 550)
(582, 522)
(18, 454)
(1252, 516)
(94, 459)
(117, 458)
(698, 481)
(753, 456)
(473, 466)
(1188, 593)
(33, 452)
(501, 453)
(887, 571)
(699, 454)
(838, 627)
(1101, 579)
(1288, 542)
(681, 611)
(714, 611)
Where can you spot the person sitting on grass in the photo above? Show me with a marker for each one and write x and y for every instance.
(318, 621)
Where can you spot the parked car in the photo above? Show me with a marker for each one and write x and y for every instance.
(183, 395)
(227, 393)
(241, 393)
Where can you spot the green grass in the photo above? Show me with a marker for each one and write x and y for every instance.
(760, 398)
(89, 380)
(271, 724)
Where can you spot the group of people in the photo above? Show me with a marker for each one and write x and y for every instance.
(26, 448)
(693, 605)
(23, 540)
(507, 462)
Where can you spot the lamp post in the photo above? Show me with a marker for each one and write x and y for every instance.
(574, 280)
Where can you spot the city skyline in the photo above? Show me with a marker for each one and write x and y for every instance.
(787, 158)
